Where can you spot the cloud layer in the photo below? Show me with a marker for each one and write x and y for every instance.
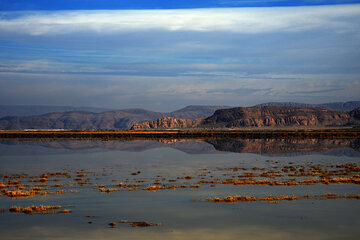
(239, 20)
(166, 59)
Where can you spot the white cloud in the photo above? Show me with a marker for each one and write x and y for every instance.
(242, 20)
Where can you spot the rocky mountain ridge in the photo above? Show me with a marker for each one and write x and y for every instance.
(81, 120)
(188, 112)
(126, 118)
(257, 117)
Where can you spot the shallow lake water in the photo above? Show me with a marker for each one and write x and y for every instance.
(172, 186)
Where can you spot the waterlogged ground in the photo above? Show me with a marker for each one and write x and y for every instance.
(253, 189)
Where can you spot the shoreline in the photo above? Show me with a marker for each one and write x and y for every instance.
(336, 133)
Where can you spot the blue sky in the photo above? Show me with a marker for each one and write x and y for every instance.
(163, 55)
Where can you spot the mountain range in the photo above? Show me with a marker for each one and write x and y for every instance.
(117, 119)
(85, 118)
(258, 117)
(30, 110)
(189, 112)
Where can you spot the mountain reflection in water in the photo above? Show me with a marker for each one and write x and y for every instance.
(270, 147)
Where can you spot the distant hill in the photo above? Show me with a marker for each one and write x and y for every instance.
(120, 119)
(343, 106)
(195, 111)
(255, 117)
(29, 110)
(81, 120)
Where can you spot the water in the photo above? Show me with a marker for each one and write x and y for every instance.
(181, 213)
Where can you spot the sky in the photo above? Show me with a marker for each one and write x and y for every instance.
(164, 55)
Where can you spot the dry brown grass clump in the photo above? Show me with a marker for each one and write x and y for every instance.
(43, 180)
(309, 182)
(66, 211)
(139, 224)
(38, 209)
(109, 190)
(331, 196)
(353, 196)
(58, 185)
(153, 188)
(275, 199)
(20, 193)
(112, 224)
(122, 185)
(124, 221)
(231, 199)
(59, 174)
(135, 173)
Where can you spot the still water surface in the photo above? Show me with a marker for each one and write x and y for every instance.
(181, 213)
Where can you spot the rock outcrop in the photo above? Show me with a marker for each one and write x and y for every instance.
(168, 123)
(355, 113)
(277, 117)
(257, 117)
